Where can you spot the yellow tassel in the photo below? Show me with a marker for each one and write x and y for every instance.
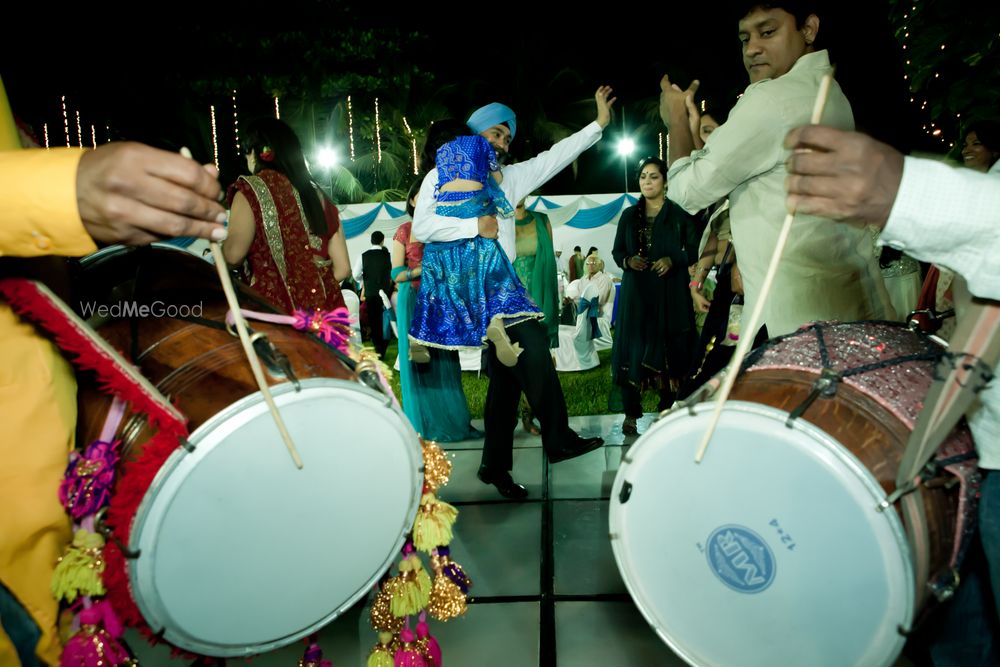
(437, 467)
(423, 580)
(79, 570)
(381, 655)
(381, 615)
(447, 600)
(432, 527)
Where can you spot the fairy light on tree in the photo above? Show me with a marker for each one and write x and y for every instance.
(93, 136)
(413, 143)
(215, 137)
(236, 124)
(65, 120)
(378, 133)
(79, 131)
(277, 109)
(350, 126)
(45, 131)
(661, 145)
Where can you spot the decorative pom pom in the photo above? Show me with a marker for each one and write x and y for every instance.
(408, 655)
(79, 570)
(96, 644)
(433, 525)
(332, 327)
(86, 485)
(437, 467)
(381, 616)
(429, 645)
(313, 657)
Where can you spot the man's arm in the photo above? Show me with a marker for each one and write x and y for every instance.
(934, 212)
(523, 178)
(746, 145)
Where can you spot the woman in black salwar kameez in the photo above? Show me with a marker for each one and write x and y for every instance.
(655, 243)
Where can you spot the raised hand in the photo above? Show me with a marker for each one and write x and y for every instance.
(604, 105)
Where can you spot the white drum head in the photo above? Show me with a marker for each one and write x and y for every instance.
(768, 552)
(241, 552)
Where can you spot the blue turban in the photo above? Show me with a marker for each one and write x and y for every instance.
(492, 114)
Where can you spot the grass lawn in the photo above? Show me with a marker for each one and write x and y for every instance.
(586, 392)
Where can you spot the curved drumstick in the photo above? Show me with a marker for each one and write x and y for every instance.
(241, 328)
(753, 323)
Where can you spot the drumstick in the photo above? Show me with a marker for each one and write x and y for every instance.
(241, 328)
(753, 323)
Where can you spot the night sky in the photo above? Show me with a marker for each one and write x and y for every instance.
(135, 79)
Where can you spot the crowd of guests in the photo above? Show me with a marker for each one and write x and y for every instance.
(693, 253)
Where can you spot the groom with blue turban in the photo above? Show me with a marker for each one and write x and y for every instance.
(534, 372)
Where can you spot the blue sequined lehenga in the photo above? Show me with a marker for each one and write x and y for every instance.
(466, 283)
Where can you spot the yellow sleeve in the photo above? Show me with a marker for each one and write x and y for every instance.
(38, 211)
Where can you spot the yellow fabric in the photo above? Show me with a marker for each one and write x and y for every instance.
(38, 216)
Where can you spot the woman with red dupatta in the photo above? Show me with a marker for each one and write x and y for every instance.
(288, 232)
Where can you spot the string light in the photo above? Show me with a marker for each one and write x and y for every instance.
(107, 128)
(350, 126)
(79, 131)
(93, 136)
(236, 124)
(661, 140)
(215, 137)
(65, 121)
(45, 131)
(277, 110)
(378, 133)
(413, 142)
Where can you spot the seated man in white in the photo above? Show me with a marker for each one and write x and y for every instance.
(578, 344)
(605, 288)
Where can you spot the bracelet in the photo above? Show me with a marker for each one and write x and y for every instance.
(695, 284)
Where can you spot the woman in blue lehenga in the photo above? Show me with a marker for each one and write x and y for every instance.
(433, 398)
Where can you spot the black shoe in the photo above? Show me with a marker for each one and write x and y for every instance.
(505, 484)
(582, 446)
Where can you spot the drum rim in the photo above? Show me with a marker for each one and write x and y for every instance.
(851, 462)
(153, 614)
(106, 253)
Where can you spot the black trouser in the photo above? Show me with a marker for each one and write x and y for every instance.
(375, 310)
(536, 376)
(632, 399)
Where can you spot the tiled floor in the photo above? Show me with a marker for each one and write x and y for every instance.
(546, 588)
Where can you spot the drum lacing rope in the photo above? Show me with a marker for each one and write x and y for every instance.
(826, 384)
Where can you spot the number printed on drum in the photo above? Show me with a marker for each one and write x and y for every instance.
(785, 538)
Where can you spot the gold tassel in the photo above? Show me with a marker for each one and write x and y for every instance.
(447, 599)
(79, 570)
(437, 467)
(381, 616)
(433, 525)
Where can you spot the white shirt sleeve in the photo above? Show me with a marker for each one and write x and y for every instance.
(950, 217)
(429, 226)
(523, 178)
(356, 270)
(748, 144)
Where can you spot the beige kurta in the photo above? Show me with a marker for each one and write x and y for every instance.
(828, 270)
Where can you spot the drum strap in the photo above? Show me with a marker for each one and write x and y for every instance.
(959, 377)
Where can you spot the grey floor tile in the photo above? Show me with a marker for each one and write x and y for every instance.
(584, 562)
(499, 546)
(587, 476)
(609, 634)
(521, 438)
(490, 635)
(464, 486)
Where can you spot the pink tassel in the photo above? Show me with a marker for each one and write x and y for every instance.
(87, 483)
(93, 645)
(433, 648)
(408, 655)
(332, 327)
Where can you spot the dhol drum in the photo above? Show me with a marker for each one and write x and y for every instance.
(773, 550)
(233, 550)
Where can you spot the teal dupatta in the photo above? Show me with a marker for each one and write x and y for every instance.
(539, 275)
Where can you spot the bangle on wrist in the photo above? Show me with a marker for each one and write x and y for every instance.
(695, 284)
